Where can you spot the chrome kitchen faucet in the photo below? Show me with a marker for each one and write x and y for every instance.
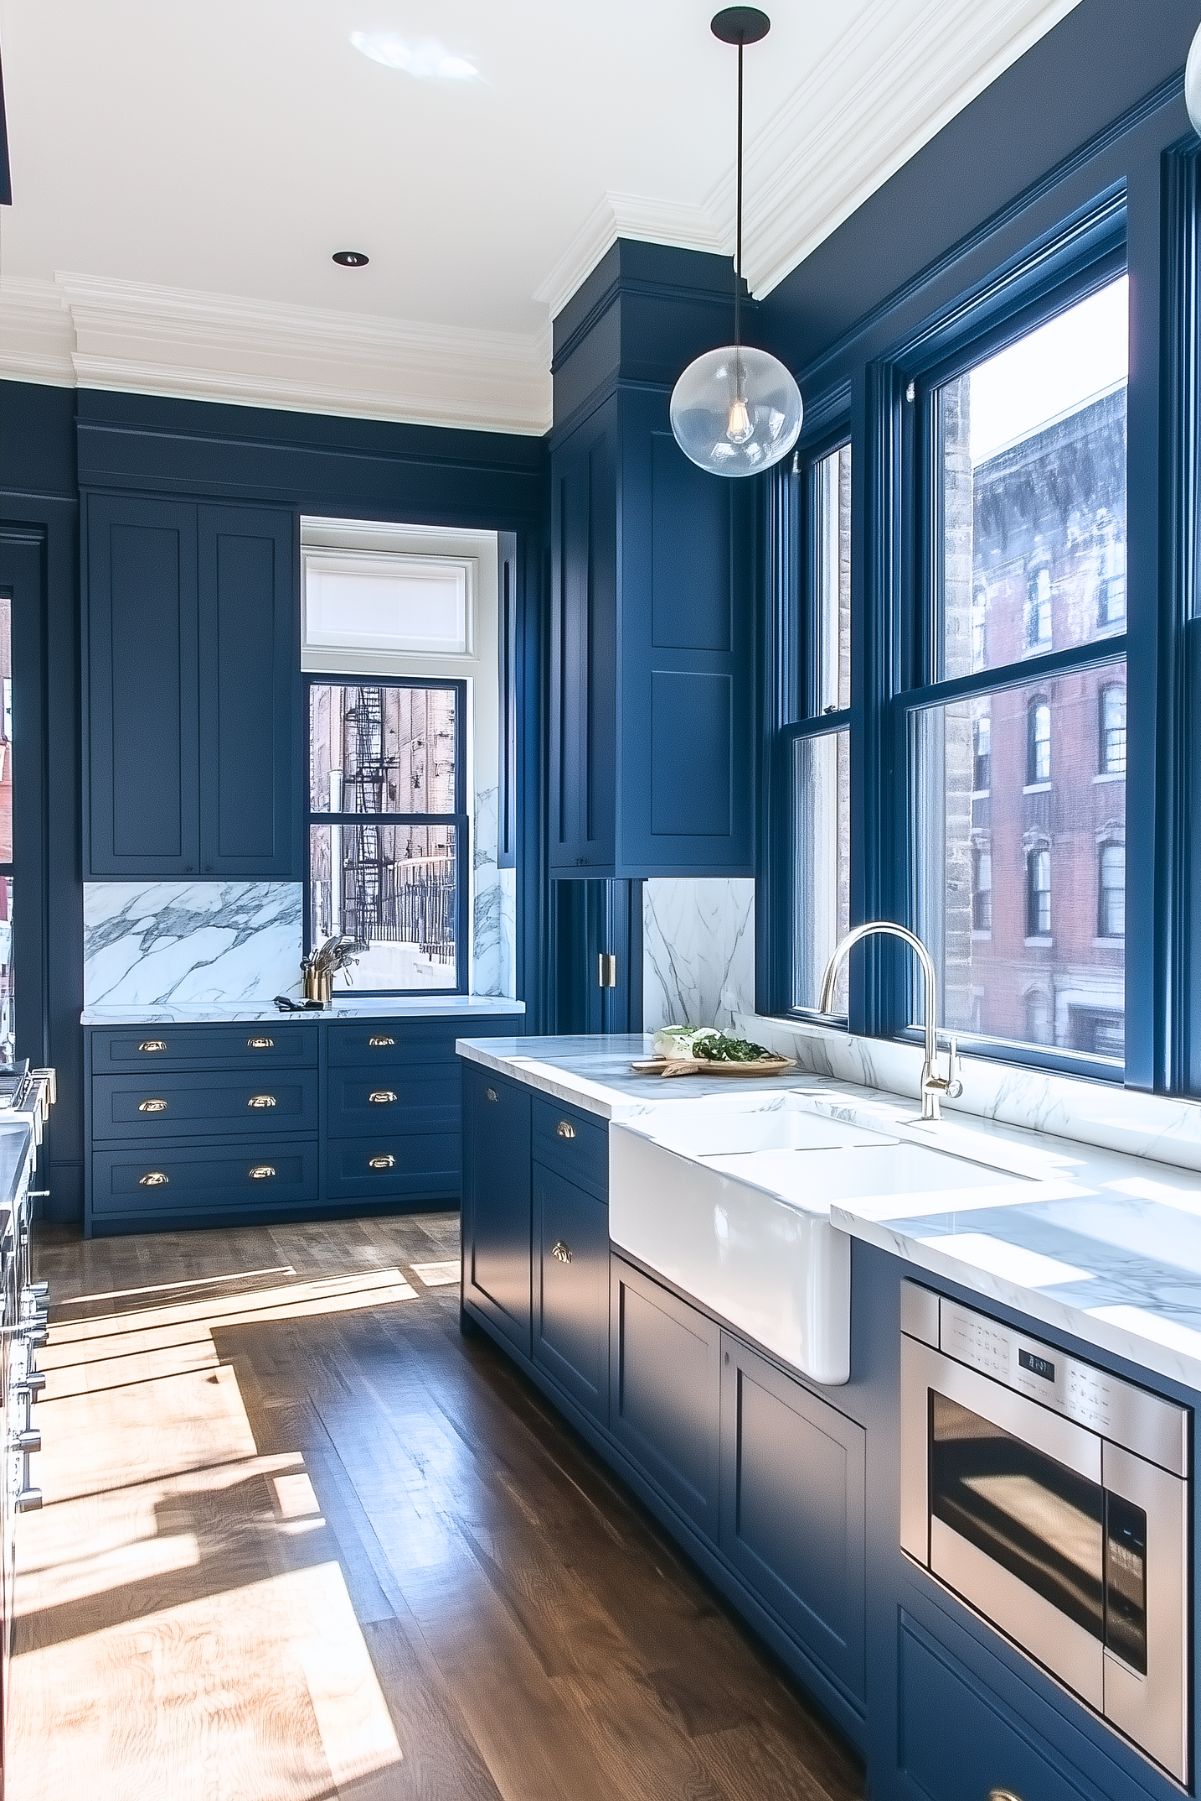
(933, 1086)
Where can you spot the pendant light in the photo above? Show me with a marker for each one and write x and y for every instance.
(1192, 83)
(737, 410)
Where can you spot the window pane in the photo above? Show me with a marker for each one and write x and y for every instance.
(385, 602)
(1032, 460)
(1112, 759)
(823, 854)
(380, 749)
(6, 730)
(833, 537)
(393, 887)
(1020, 892)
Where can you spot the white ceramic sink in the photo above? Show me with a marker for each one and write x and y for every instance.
(732, 1206)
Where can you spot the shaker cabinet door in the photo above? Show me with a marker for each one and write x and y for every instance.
(140, 664)
(497, 1238)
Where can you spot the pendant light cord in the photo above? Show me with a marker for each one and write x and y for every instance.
(738, 209)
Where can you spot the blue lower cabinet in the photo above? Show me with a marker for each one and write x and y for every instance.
(370, 1101)
(147, 1107)
(497, 1203)
(664, 1391)
(793, 1506)
(153, 1184)
(573, 1144)
(415, 1166)
(152, 1048)
(571, 1289)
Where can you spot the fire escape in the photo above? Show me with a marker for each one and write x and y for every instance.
(365, 865)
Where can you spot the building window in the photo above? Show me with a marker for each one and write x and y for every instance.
(1038, 893)
(1111, 891)
(1038, 742)
(388, 829)
(982, 889)
(1111, 580)
(982, 753)
(1021, 461)
(818, 767)
(1038, 611)
(979, 628)
(1112, 724)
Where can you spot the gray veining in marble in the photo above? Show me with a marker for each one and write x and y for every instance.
(190, 943)
(698, 951)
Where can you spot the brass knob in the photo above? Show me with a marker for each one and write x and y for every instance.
(386, 1161)
(262, 1172)
(154, 1178)
(259, 1101)
(153, 1044)
(565, 1129)
(561, 1251)
(382, 1097)
(379, 1041)
(490, 1094)
(152, 1106)
(260, 1044)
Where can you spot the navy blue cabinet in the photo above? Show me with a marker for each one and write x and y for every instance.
(793, 1508)
(651, 653)
(664, 1392)
(497, 1203)
(571, 1289)
(191, 663)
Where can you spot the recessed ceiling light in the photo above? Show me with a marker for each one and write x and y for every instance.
(352, 259)
(426, 58)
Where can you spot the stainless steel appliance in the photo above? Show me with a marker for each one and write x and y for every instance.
(1053, 1498)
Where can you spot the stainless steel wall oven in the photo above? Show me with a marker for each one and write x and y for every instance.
(1053, 1498)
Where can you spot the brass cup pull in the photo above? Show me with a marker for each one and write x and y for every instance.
(262, 1172)
(260, 1044)
(154, 1178)
(152, 1106)
(490, 1094)
(561, 1252)
(382, 1097)
(565, 1129)
(387, 1161)
(153, 1044)
(379, 1041)
(259, 1101)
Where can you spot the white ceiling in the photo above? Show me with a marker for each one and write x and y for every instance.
(183, 169)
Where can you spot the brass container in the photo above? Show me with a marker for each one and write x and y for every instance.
(318, 985)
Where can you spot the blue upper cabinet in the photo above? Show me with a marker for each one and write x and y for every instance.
(191, 666)
(652, 591)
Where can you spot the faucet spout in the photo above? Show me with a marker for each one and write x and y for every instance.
(933, 1085)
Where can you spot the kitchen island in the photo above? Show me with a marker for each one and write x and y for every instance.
(786, 1491)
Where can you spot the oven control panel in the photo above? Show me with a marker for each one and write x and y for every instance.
(1108, 1405)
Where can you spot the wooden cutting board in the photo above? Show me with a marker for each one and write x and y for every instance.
(680, 1066)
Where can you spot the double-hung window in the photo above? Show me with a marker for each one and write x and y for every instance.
(817, 743)
(1024, 442)
(388, 828)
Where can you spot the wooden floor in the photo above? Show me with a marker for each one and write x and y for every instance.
(303, 1542)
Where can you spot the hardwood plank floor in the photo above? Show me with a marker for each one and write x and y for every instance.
(303, 1542)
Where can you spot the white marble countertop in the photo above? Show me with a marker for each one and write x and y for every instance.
(594, 1073)
(345, 1006)
(1100, 1244)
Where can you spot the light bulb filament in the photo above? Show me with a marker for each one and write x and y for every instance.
(738, 421)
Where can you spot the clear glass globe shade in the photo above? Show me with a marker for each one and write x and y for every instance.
(736, 411)
(1192, 82)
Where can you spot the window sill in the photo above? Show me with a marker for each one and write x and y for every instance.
(1036, 788)
(1110, 775)
(979, 936)
(1039, 943)
(1112, 943)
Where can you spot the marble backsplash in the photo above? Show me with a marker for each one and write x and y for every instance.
(698, 951)
(190, 943)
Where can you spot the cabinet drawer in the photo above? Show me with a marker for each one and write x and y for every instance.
(367, 1102)
(958, 1741)
(210, 1103)
(574, 1144)
(571, 1289)
(417, 1165)
(203, 1179)
(289, 1046)
(373, 1043)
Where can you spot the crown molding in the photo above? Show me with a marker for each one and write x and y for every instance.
(884, 89)
(89, 331)
(629, 216)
